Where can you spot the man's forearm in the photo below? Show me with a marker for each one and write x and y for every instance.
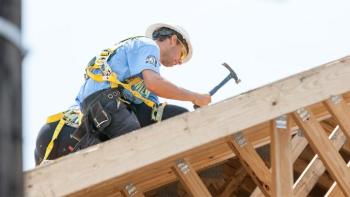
(164, 88)
(168, 90)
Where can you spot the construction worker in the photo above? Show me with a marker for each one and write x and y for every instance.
(120, 93)
(123, 83)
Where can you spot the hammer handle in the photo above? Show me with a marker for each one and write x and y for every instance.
(222, 83)
(216, 88)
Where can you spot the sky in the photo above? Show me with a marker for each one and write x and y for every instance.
(262, 40)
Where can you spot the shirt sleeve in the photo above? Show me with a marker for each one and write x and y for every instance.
(145, 57)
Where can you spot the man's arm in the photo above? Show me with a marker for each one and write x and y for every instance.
(164, 88)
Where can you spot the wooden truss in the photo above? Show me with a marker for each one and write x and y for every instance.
(310, 109)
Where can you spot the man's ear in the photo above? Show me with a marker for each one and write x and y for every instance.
(173, 39)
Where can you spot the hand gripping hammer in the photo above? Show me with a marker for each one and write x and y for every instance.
(231, 75)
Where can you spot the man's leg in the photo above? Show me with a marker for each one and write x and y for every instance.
(144, 113)
(172, 110)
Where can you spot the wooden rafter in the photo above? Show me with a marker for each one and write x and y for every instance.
(341, 112)
(190, 179)
(335, 190)
(324, 181)
(315, 169)
(298, 145)
(251, 161)
(281, 157)
(323, 147)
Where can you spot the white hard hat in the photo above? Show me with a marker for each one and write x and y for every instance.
(176, 28)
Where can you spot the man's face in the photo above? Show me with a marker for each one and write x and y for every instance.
(174, 52)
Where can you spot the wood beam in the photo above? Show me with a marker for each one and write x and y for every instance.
(190, 179)
(341, 112)
(324, 181)
(315, 169)
(335, 190)
(158, 142)
(281, 159)
(299, 143)
(323, 147)
(252, 162)
(160, 174)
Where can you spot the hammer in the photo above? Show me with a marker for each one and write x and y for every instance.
(230, 76)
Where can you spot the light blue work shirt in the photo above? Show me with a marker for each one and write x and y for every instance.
(130, 59)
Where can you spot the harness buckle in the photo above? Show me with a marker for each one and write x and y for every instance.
(106, 69)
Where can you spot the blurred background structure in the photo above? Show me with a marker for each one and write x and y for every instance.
(10, 98)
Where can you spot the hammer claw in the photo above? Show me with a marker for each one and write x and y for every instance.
(232, 73)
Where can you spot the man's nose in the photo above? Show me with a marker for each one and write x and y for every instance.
(178, 61)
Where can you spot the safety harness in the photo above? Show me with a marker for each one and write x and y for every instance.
(73, 117)
(107, 75)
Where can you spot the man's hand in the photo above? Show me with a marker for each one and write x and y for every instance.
(201, 99)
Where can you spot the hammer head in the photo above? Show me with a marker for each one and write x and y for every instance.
(232, 73)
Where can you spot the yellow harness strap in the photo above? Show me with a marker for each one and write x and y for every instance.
(54, 137)
(63, 118)
(111, 77)
(55, 117)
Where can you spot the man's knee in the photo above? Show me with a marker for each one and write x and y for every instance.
(173, 110)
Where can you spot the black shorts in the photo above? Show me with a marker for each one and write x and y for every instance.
(123, 119)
